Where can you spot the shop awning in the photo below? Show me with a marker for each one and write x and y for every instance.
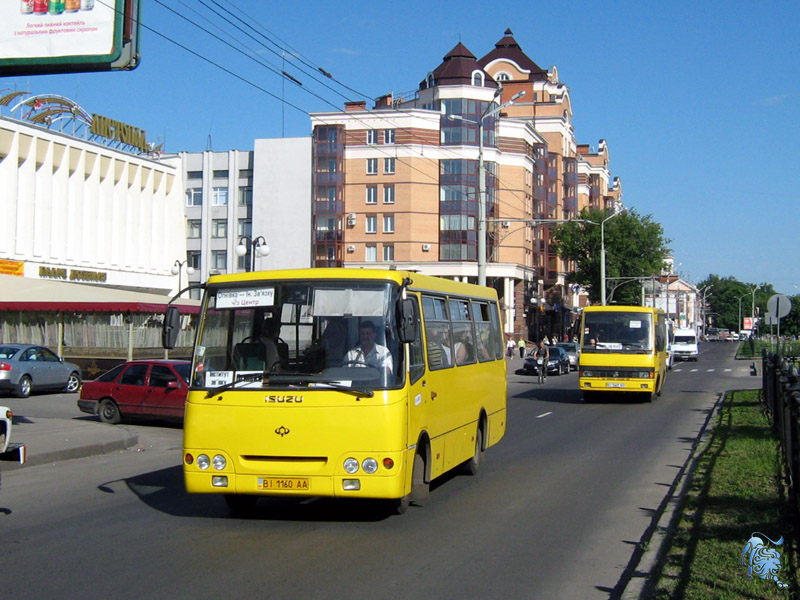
(24, 293)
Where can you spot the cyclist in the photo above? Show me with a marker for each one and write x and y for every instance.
(540, 356)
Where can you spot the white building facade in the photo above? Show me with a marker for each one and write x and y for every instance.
(76, 210)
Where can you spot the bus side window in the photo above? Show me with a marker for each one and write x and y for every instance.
(437, 333)
(416, 368)
(483, 329)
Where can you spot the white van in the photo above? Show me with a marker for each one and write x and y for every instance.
(684, 345)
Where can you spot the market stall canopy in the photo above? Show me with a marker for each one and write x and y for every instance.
(22, 293)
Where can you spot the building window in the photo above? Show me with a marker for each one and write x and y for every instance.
(388, 136)
(219, 260)
(388, 194)
(194, 174)
(194, 197)
(371, 254)
(372, 166)
(220, 196)
(244, 227)
(477, 78)
(193, 228)
(502, 77)
(372, 224)
(372, 194)
(372, 136)
(193, 258)
(245, 196)
(388, 166)
(331, 194)
(245, 173)
(388, 252)
(220, 174)
(388, 224)
(219, 228)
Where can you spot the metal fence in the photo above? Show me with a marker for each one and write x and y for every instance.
(781, 389)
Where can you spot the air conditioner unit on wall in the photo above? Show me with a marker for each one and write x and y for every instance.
(426, 247)
(351, 248)
(351, 219)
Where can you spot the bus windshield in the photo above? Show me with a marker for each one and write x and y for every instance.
(626, 332)
(290, 334)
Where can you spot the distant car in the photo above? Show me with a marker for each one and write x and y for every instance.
(25, 368)
(573, 353)
(138, 389)
(558, 362)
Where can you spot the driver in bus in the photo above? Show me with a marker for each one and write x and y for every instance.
(367, 353)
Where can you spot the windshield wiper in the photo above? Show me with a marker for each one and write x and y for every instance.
(278, 378)
(357, 392)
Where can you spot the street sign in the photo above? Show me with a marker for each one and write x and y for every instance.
(779, 305)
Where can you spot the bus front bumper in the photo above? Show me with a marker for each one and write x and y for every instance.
(618, 385)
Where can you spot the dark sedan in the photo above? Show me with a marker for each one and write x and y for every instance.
(138, 389)
(558, 362)
(25, 368)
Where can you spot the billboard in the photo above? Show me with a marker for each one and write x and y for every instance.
(64, 36)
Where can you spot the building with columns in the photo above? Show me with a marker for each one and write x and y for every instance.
(398, 183)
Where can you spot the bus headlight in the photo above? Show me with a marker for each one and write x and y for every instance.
(219, 462)
(203, 462)
(370, 465)
(350, 465)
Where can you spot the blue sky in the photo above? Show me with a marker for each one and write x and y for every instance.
(699, 102)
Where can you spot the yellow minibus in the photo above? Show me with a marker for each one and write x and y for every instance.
(623, 350)
(346, 383)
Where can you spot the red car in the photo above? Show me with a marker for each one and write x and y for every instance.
(138, 389)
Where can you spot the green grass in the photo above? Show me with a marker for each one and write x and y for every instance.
(737, 489)
(788, 348)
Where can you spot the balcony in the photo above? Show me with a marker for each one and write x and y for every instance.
(328, 236)
(328, 149)
(328, 179)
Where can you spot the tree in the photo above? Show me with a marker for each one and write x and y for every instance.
(726, 294)
(635, 247)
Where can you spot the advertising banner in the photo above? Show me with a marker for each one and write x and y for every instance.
(53, 36)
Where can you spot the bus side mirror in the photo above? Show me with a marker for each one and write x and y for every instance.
(171, 328)
(407, 320)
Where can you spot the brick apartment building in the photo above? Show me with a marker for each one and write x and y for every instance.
(397, 183)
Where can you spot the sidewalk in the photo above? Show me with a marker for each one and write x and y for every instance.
(52, 440)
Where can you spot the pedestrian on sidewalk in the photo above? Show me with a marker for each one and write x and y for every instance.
(510, 345)
(521, 345)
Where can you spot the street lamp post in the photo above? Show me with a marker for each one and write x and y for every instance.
(255, 246)
(603, 254)
(176, 270)
(489, 112)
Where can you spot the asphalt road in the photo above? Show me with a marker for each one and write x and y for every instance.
(558, 511)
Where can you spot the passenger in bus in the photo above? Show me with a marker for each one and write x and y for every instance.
(270, 332)
(439, 353)
(367, 353)
(333, 341)
(464, 350)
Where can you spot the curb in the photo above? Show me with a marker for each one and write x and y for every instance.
(656, 536)
(131, 439)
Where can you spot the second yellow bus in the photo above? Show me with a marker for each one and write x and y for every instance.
(623, 350)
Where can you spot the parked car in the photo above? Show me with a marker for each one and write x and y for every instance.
(25, 368)
(573, 353)
(557, 364)
(138, 389)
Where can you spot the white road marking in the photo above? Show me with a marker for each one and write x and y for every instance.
(544, 414)
(694, 370)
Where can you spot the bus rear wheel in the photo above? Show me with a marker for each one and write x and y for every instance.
(473, 465)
